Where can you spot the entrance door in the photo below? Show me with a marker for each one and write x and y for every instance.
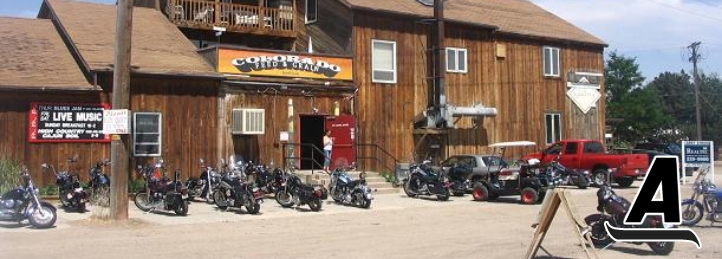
(343, 133)
(311, 130)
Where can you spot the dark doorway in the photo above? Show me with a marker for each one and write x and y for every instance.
(311, 130)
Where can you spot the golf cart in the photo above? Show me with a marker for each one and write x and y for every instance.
(526, 179)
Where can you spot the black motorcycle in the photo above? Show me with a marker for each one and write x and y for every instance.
(424, 180)
(347, 191)
(99, 184)
(160, 192)
(70, 192)
(268, 182)
(613, 208)
(561, 175)
(458, 176)
(23, 203)
(233, 191)
(294, 192)
(201, 186)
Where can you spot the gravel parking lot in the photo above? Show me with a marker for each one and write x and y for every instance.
(395, 227)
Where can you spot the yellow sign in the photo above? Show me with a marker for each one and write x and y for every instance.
(281, 64)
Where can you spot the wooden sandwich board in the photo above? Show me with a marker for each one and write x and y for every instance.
(551, 203)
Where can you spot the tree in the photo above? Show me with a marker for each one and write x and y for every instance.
(627, 99)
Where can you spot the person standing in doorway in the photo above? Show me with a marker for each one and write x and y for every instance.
(327, 147)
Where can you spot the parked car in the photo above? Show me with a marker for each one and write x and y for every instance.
(586, 154)
(478, 164)
(672, 149)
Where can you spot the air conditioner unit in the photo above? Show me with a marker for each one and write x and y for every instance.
(248, 121)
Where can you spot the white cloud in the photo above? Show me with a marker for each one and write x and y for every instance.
(654, 31)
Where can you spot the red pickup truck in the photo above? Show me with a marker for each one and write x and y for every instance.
(591, 155)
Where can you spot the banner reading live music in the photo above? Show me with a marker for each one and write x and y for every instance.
(282, 64)
(67, 122)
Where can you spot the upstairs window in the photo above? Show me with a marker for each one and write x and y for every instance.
(456, 60)
(311, 11)
(383, 61)
(551, 61)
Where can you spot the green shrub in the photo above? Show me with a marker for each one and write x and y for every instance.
(9, 174)
(136, 185)
(388, 176)
(51, 189)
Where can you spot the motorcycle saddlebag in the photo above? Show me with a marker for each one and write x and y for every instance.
(324, 191)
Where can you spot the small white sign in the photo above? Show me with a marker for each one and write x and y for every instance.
(584, 98)
(284, 136)
(116, 121)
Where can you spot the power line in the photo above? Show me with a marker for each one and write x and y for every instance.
(708, 3)
(686, 11)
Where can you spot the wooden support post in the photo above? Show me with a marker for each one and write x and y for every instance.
(119, 146)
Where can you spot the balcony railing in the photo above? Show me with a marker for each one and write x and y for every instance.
(235, 17)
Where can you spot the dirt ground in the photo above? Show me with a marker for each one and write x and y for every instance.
(395, 227)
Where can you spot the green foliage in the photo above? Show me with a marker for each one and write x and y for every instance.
(9, 174)
(50, 189)
(388, 176)
(136, 185)
(629, 100)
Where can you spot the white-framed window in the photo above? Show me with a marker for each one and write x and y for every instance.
(551, 61)
(383, 61)
(147, 133)
(553, 127)
(456, 60)
(311, 11)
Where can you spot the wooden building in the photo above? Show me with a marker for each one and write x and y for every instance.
(264, 79)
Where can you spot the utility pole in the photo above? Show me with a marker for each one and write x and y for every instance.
(694, 58)
(121, 100)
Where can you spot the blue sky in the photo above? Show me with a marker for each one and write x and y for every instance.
(655, 32)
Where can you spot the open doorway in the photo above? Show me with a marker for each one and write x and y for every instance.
(311, 130)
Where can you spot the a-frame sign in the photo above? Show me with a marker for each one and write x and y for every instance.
(549, 208)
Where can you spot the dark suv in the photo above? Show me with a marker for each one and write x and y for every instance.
(666, 148)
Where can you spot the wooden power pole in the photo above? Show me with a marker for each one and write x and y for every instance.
(694, 58)
(120, 144)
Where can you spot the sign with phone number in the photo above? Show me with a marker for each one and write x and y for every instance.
(697, 153)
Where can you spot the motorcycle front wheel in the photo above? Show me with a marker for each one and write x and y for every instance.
(407, 189)
(692, 214)
(662, 248)
(218, 198)
(284, 198)
(365, 203)
(252, 206)
(444, 196)
(142, 201)
(315, 205)
(43, 217)
(182, 209)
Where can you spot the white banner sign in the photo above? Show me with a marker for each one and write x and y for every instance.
(116, 121)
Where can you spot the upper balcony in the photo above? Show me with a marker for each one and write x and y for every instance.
(240, 16)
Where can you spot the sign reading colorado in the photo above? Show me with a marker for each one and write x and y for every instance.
(283, 64)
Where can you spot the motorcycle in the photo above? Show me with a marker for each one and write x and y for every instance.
(613, 208)
(99, 184)
(233, 191)
(268, 182)
(23, 203)
(201, 186)
(423, 180)
(70, 192)
(160, 192)
(294, 192)
(694, 210)
(458, 176)
(561, 175)
(345, 190)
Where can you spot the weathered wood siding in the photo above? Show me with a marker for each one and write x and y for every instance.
(14, 142)
(331, 33)
(267, 148)
(515, 85)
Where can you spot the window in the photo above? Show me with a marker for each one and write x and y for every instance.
(551, 61)
(593, 148)
(571, 148)
(556, 149)
(553, 127)
(383, 59)
(311, 11)
(147, 135)
(456, 60)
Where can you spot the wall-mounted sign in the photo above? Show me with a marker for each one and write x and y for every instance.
(281, 64)
(116, 121)
(584, 79)
(66, 122)
(584, 98)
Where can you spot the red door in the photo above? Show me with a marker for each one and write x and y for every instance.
(343, 133)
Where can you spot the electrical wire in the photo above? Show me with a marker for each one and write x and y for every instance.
(685, 11)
